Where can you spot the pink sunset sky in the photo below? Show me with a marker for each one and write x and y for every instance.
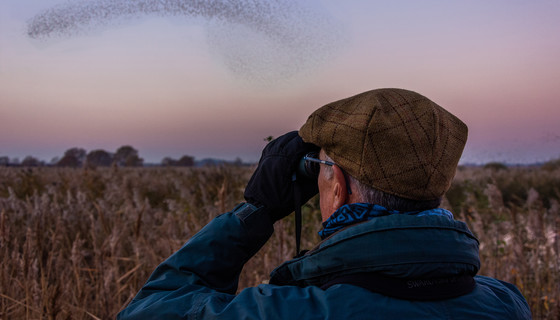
(174, 83)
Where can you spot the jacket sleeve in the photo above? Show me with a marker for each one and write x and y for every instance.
(205, 270)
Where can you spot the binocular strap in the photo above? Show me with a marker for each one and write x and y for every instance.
(298, 218)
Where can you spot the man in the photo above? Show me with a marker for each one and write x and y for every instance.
(385, 159)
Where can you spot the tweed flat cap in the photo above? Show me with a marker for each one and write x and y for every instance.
(393, 140)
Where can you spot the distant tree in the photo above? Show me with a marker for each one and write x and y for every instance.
(78, 153)
(4, 161)
(30, 161)
(73, 157)
(168, 162)
(495, 166)
(134, 161)
(186, 161)
(99, 158)
(127, 156)
(68, 161)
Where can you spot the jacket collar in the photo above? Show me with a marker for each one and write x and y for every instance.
(398, 246)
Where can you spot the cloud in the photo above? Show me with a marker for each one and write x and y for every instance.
(261, 41)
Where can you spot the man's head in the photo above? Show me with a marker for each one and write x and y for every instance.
(395, 147)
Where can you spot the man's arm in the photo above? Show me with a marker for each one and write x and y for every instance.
(204, 273)
(206, 268)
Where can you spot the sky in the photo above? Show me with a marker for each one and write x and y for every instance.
(215, 78)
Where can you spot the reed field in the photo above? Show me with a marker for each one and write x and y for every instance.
(79, 243)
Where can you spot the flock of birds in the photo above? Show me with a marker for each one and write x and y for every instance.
(263, 40)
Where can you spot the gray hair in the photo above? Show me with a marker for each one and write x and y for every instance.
(371, 195)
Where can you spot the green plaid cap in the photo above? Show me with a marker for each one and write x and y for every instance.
(393, 140)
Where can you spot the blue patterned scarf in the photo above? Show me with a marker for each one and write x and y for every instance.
(358, 212)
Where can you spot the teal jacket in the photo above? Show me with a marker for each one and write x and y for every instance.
(200, 280)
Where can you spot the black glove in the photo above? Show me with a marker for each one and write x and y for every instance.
(271, 185)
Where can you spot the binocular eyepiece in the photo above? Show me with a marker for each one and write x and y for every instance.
(307, 169)
(308, 166)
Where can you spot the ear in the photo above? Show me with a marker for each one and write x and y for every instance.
(340, 192)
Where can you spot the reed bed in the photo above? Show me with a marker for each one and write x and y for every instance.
(79, 243)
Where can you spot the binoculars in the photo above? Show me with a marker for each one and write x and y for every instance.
(308, 166)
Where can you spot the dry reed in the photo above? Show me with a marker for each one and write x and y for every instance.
(79, 243)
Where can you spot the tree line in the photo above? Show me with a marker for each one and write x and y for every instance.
(125, 156)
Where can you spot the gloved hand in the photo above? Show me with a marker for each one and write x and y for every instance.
(271, 185)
